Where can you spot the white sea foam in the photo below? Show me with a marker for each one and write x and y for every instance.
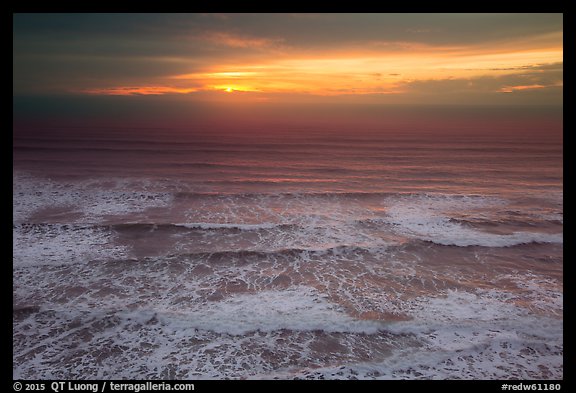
(286, 221)
(297, 308)
(540, 294)
(62, 244)
(484, 334)
(464, 336)
(237, 337)
(239, 226)
(459, 335)
(164, 302)
(92, 204)
(428, 218)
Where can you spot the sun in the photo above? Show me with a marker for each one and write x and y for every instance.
(229, 90)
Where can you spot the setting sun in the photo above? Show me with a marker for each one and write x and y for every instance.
(228, 90)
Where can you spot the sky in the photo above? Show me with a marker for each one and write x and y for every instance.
(186, 67)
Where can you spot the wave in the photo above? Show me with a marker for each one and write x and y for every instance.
(451, 335)
(29, 183)
(206, 226)
(443, 232)
(293, 194)
(291, 253)
(459, 334)
(493, 240)
(451, 234)
(460, 233)
(297, 309)
(436, 219)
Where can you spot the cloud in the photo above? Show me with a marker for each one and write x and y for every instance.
(139, 90)
(316, 54)
(422, 30)
(242, 41)
(512, 89)
(346, 78)
(556, 66)
(544, 87)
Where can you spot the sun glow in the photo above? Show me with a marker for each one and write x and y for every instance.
(353, 72)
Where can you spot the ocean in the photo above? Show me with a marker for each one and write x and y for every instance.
(286, 253)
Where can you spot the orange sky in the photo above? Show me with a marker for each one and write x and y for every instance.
(375, 69)
(386, 58)
(385, 72)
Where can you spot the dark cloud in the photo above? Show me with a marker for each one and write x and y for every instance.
(543, 67)
(334, 29)
(298, 30)
(528, 88)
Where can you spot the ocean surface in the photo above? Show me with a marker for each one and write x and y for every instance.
(286, 253)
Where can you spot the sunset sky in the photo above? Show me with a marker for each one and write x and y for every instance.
(175, 65)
